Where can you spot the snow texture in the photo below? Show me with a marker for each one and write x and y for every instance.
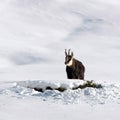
(33, 37)
(109, 93)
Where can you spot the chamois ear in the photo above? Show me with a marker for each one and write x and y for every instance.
(65, 52)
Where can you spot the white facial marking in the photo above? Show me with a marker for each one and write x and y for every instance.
(70, 63)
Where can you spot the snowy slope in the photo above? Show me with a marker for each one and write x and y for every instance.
(20, 102)
(109, 93)
(33, 36)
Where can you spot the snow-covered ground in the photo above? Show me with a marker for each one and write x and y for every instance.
(33, 37)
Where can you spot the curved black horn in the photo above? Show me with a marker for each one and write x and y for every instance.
(69, 51)
(72, 54)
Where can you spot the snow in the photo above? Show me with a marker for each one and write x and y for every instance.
(68, 84)
(109, 93)
(20, 102)
(33, 37)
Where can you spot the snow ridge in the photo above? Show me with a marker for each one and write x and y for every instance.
(108, 94)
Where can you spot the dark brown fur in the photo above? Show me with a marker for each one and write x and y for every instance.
(76, 70)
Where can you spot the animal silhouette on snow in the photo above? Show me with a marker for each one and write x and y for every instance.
(74, 68)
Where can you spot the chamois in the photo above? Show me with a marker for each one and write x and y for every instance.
(74, 68)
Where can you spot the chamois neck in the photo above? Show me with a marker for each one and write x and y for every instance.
(70, 63)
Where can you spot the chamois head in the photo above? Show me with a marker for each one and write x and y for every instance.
(68, 57)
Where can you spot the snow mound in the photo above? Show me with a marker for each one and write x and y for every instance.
(109, 93)
(44, 84)
(61, 86)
